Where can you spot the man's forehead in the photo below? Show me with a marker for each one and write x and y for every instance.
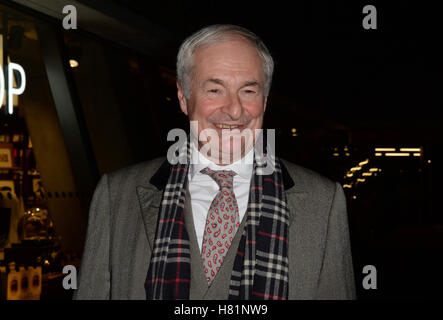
(219, 65)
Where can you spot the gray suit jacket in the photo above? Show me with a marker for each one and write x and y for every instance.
(123, 219)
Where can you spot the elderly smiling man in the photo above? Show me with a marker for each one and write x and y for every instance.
(207, 229)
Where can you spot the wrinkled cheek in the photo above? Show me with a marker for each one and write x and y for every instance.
(256, 123)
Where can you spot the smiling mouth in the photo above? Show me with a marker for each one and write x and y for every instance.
(228, 126)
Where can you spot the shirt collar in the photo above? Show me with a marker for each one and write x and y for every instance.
(243, 167)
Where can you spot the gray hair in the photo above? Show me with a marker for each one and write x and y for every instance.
(214, 34)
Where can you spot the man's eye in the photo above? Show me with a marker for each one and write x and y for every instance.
(213, 90)
(249, 91)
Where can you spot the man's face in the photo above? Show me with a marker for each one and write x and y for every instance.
(227, 92)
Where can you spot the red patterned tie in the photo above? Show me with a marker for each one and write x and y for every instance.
(222, 222)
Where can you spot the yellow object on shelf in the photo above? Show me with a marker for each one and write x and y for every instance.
(25, 284)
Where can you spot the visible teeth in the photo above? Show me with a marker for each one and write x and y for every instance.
(225, 126)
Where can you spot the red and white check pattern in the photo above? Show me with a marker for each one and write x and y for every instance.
(222, 223)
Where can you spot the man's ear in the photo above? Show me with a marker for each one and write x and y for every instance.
(264, 105)
(182, 99)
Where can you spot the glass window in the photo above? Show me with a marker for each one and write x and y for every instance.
(39, 200)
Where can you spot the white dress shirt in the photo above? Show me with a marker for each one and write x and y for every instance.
(203, 188)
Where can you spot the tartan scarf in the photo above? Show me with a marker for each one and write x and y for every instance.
(260, 270)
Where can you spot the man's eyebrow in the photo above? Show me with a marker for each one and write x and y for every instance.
(251, 83)
(215, 80)
(245, 84)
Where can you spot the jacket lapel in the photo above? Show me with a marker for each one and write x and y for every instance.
(295, 193)
(296, 200)
(150, 196)
(149, 204)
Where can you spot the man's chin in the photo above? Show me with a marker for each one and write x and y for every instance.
(225, 153)
(230, 157)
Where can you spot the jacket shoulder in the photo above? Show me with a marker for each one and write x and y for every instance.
(308, 180)
(138, 173)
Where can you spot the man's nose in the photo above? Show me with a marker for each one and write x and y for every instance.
(233, 107)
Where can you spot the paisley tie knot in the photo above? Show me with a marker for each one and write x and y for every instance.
(224, 178)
